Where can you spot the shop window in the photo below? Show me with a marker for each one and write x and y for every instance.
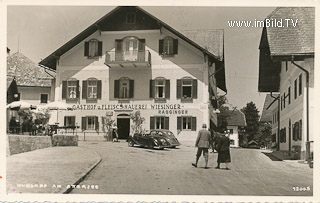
(187, 89)
(300, 84)
(90, 123)
(91, 89)
(43, 98)
(168, 46)
(69, 121)
(159, 89)
(70, 89)
(187, 123)
(123, 88)
(93, 48)
(159, 122)
(131, 18)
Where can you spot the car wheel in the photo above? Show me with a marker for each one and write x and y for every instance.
(130, 143)
(150, 146)
(161, 148)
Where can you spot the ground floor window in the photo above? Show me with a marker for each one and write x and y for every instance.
(231, 142)
(90, 123)
(43, 98)
(159, 122)
(187, 123)
(69, 121)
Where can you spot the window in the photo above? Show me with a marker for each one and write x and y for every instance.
(93, 48)
(69, 121)
(123, 88)
(43, 98)
(159, 89)
(295, 89)
(91, 89)
(70, 89)
(230, 131)
(90, 123)
(131, 18)
(187, 123)
(159, 122)
(289, 95)
(231, 142)
(300, 84)
(286, 66)
(168, 46)
(187, 89)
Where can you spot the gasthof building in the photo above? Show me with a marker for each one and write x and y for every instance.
(130, 61)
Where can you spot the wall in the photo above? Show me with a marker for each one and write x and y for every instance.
(20, 143)
(32, 94)
(234, 136)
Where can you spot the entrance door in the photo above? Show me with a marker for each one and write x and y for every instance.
(123, 124)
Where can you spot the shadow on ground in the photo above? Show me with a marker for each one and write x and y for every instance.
(271, 156)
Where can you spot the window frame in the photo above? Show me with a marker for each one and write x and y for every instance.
(69, 86)
(92, 86)
(70, 117)
(187, 85)
(167, 41)
(41, 98)
(94, 122)
(188, 120)
(157, 86)
(95, 43)
(121, 81)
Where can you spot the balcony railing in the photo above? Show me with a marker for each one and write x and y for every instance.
(132, 58)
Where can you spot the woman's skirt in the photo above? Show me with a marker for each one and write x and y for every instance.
(224, 157)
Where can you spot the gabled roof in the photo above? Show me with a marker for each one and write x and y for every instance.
(282, 43)
(267, 112)
(26, 72)
(209, 42)
(236, 118)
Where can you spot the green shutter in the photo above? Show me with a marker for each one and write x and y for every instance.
(116, 89)
(178, 123)
(175, 46)
(99, 48)
(84, 89)
(151, 123)
(131, 88)
(160, 46)
(99, 86)
(194, 123)
(84, 123)
(86, 49)
(167, 89)
(151, 89)
(64, 89)
(166, 123)
(194, 89)
(178, 89)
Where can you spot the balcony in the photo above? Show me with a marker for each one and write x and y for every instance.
(128, 59)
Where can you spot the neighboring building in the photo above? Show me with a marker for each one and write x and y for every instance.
(33, 82)
(236, 121)
(131, 61)
(286, 66)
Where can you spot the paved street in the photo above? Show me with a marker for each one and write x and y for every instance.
(135, 170)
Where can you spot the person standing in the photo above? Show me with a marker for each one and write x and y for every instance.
(202, 143)
(115, 136)
(223, 149)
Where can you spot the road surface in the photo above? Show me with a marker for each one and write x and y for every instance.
(135, 170)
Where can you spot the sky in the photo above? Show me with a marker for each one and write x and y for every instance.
(37, 31)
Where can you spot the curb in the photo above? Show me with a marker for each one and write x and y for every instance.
(84, 175)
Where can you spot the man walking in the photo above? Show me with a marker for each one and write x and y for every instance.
(202, 142)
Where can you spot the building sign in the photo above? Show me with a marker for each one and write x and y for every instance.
(162, 108)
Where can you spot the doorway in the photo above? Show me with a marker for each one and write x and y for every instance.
(123, 124)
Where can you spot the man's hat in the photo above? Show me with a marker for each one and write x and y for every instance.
(204, 125)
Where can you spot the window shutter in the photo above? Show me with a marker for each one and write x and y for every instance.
(86, 49)
(78, 90)
(99, 48)
(294, 131)
(194, 89)
(178, 89)
(285, 135)
(141, 46)
(65, 121)
(84, 123)
(160, 46)
(96, 122)
(167, 89)
(300, 130)
(166, 123)
(175, 46)
(118, 44)
(194, 123)
(151, 123)
(84, 89)
(178, 123)
(64, 89)
(99, 86)
(116, 89)
(151, 90)
(131, 88)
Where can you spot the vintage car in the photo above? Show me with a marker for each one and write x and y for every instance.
(155, 138)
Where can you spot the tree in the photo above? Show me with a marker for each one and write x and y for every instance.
(252, 118)
(137, 122)
(264, 136)
(107, 124)
(223, 115)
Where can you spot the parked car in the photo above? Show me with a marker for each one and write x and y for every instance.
(155, 138)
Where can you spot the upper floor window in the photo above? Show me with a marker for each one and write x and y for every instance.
(70, 89)
(187, 89)
(160, 88)
(168, 46)
(43, 98)
(123, 88)
(91, 89)
(93, 48)
(131, 18)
